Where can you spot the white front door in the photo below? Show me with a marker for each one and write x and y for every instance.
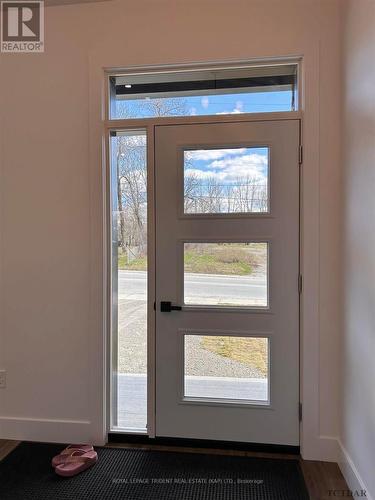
(227, 254)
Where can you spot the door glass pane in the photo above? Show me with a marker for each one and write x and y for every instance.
(224, 181)
(226, 367)
(226, 274)
(129, 230)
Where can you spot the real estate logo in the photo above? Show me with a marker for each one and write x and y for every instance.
(22, 26)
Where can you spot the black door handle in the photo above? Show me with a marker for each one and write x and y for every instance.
(166, 307)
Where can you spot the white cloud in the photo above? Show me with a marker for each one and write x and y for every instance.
(237, 109)
(227, 164)
(212, 154)
(233, 112)
(193, 111)
(200, 174)
(232, 168)
(205, 102)
(252, 160)
(239, 106)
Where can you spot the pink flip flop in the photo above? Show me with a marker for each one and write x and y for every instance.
(77, 462)
(59, 459)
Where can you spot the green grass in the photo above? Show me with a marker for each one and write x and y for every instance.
(251, 352)
(139, 264)
(236, 259)
(212, 264)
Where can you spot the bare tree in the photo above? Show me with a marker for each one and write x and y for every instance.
(151, 107)
(131, 158)
(132, 188)
(211, 195)
(175, 106)
(191, 187)
(201, 194)
(214, 198)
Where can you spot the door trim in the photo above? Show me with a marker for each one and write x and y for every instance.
(295, 126)
(150, 124)
(315, 445)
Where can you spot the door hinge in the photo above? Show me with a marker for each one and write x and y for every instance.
(300, 154)
(300, 283)
(300, 411)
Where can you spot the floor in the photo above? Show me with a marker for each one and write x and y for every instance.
(322, 478)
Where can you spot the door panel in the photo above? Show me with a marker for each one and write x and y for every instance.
(227, 363)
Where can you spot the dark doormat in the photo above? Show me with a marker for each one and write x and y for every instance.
(26, 474)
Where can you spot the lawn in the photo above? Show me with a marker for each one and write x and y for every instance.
(211, 258)
(251, 352)
(214, 263)
(139, 264)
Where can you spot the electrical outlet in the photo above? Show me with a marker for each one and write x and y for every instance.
(3, 379)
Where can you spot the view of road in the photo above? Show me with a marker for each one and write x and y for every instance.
(225, 376)
(201, 289)
(228, 273)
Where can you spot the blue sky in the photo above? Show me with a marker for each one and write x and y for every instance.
(255, 102)
(234, 179)
(227, 166)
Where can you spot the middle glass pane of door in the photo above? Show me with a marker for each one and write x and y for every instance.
(226, 274)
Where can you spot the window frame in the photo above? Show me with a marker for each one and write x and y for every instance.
(188, 69)
(149, 124)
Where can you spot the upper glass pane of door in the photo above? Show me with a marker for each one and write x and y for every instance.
(204, 92)
(226, 180)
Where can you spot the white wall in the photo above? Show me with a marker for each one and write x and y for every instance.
(49, 286)
(358, 271)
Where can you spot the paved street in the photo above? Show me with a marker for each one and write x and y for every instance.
(240, 382)
(203, 288)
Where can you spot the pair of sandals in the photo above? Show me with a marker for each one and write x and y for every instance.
(74, 459)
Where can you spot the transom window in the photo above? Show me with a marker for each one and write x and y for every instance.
(204, 92)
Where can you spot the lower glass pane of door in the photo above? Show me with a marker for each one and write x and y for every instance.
(226, 367)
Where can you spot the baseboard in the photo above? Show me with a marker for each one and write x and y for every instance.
(350, 472)
(322, 448)
(329, 448)
(46, 430)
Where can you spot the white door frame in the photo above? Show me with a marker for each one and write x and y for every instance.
(149, 125)
(276, 421)
(313, 445)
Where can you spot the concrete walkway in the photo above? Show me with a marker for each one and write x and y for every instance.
(132, 394)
